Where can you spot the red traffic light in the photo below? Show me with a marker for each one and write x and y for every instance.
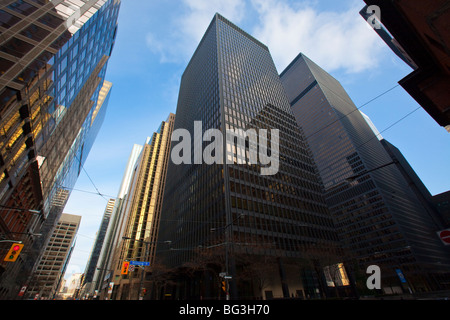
(13, 252)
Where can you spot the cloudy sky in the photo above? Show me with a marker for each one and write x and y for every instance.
(156, 40)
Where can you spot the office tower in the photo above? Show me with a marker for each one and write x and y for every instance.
(442, 203)
(418, 33)
(380, 218)
(73, 285)
(142, 211)
(53, 59)
(47, 278)
(229, 215)
(103, 274)
(92, 265)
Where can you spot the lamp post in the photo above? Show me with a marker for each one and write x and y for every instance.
(227, 244)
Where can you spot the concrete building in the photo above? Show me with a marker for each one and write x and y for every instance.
(47, 279)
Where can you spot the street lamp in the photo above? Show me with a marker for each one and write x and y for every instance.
(15, 241)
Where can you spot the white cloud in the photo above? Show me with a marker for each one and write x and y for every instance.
(334, 40)
(188, 29)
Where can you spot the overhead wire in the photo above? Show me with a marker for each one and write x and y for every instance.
(375, 136)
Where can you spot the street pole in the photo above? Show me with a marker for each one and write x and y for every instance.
(147, 244)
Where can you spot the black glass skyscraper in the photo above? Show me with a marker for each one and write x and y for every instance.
(379, 217)
(222, 214)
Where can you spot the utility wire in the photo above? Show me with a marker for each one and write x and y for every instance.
(387, 128)
(358, 108)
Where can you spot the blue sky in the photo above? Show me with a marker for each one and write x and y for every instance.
(156, 40)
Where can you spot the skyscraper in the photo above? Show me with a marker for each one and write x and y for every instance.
(92, 265)
(142, 212)
(53, 59)
(103, 275)
(380, 218)
(227, 218)
(48, 276)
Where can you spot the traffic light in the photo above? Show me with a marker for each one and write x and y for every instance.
(125, 266)
(224, 286)
(13, 252)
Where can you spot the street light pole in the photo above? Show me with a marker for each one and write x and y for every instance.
(227, 247)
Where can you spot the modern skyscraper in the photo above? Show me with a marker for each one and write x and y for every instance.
(380, 218)
(227, 217)
(442, 203)
(91, 267)
(103, 275)
(47, 278)
(142, 212)
(53, 98)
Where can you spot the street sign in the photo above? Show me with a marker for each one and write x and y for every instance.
(444, 235)
(22, 291)
(110, 287)
(400, 275)
(139, 263)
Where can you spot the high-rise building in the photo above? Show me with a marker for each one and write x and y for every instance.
(48, 276)
(53, 98)
(142, 211)
(103, 274)
(442, 203)
(92, 265)
(230, 218)
(368, 184)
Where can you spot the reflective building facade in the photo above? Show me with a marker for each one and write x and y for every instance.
(379, 215)
(93, 263)
(227, 215)
(142, 210)
(114, 233)
(53, 98)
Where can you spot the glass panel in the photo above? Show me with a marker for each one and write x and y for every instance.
(16, 47)
(7, 20)
(34, 32)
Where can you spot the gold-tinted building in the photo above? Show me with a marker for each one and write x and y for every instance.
(142, 211)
